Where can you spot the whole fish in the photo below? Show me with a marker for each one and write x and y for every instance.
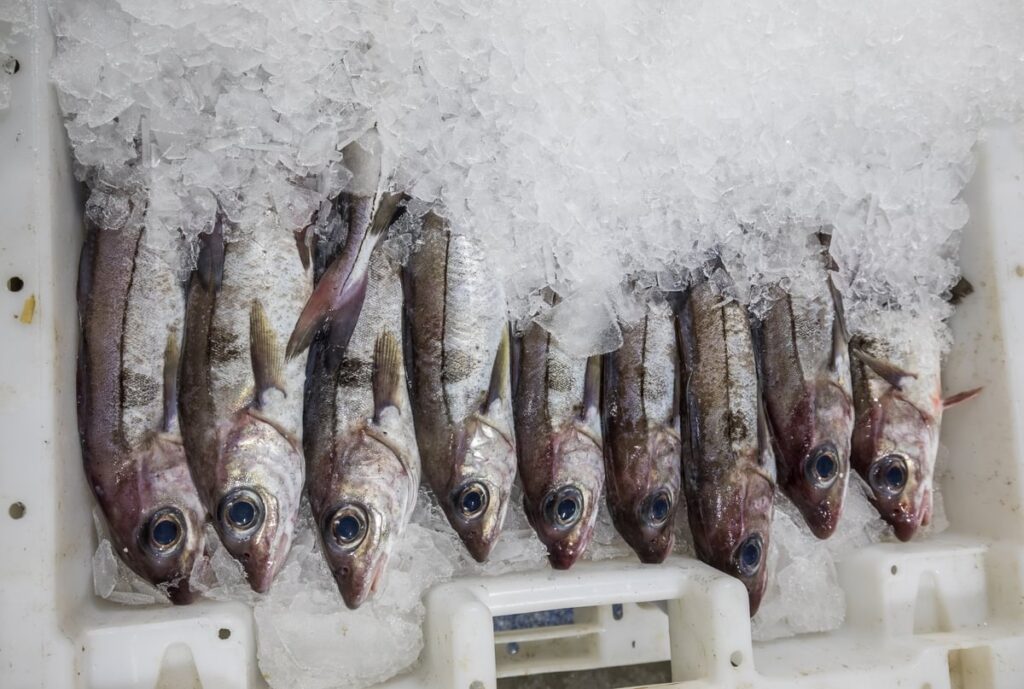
(641, 429)
(462, 401)
(241, 407)
(898, 401)
(131, 307)
(728, 469)
(558, 424)
(360, 443)
(806, 364)
(368, 210)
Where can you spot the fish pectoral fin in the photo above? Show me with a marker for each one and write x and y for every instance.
(302, 243)
(888, 372)
(500, 373)
(285, 433)
(264, 352)
(959, 397)
(388, 209)
(172, 355)
(840, 334)
(387, 374)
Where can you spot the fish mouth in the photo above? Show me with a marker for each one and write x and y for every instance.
(478, 544)
(821, 519)
(905, 528)
(358, 587)
(654, 551)
(180, 592)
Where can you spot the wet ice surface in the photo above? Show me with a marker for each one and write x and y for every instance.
(14, 20)
(582, 143)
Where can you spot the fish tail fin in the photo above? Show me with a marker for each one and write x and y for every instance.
(387, 374)
(172, 355)
(264, 353)
(500, 374)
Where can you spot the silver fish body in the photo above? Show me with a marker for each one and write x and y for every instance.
(728, 469)
(808, 397)
(131, 307)
(241, 405)
(558, 426)
(362, 459)
(642, 427)
(898, 413)
(462, 400)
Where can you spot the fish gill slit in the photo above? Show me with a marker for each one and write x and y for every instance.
(124, 324)
(444, 327)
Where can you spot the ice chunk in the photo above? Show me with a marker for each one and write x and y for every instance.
(104, 569)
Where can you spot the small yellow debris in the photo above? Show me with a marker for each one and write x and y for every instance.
(28, 310)
(1020, 270)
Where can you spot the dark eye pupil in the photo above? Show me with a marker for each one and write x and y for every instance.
(566, 509)
(750, 555)
(242, 513)
(471, 501)
(165, 532)
(825, 466)
(895, 476)
(659, 510)
(346, 528)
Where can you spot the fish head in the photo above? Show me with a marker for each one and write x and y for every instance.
(645, 503)
(737, 528)
(163, 520)
(480, 484)
(368, 504)
(816, 478)
(566, 510)
(260, 485)
(894, 448)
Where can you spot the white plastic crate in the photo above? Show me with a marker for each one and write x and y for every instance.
(946, 613)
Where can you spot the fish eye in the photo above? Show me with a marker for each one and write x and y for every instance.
(889, 475)
(748, 555)
(165, 531)
(658, 507)
(472, 500)
(564, 507)
(241, 510)
(347, 526)
(823, 465)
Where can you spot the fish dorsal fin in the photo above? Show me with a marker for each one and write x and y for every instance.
(959, 397)
(172, 355)
(387, 374)
(264, 353)
(890, 373)
(210, 263)
(840, 334)
(592, 385)
(499, 386)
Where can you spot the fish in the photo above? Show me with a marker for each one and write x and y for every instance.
(368, 210)
(362, 459)
(240, 403)
(805, 359)
(556, 409)
(131, 307)
(461, 388)
(642, 428)
(727, 463)
(898, 407)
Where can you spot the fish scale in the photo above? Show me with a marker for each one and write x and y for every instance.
(642, 441)
(728, 469)
(131, 309)
(243, 443)
(560, 446)
(457, 325)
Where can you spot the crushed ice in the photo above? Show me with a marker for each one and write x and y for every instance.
(588, 145)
